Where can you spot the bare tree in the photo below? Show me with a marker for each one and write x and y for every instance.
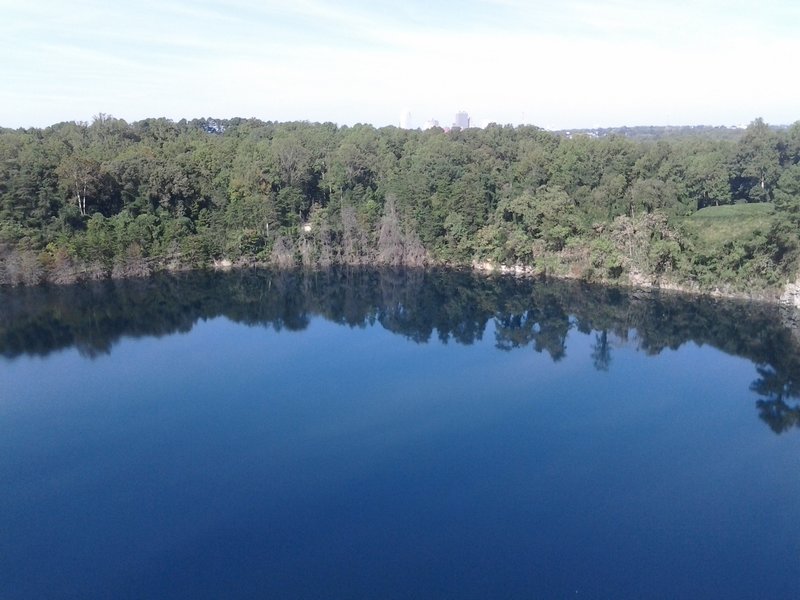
(283, 255)
(390, 239)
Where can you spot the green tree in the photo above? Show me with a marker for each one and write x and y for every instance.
(81, 176)
(759, 162)
(787, 194)
(708, 176)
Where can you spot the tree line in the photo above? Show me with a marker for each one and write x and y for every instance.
(115, 199)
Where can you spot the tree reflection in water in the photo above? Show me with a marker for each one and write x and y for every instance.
(776, 388)
(452, 305)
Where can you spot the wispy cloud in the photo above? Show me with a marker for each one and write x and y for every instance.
(563, 64)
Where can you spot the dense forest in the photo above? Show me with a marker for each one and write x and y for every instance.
(111, 199)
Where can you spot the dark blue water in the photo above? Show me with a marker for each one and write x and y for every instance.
(394, 436)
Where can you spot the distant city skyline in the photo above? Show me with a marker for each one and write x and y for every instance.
(461, 119)
(572, 64)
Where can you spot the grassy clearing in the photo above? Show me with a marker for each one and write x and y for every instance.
(715, 225)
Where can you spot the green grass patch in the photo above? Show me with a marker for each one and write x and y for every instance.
(734, 211)
(713, 226)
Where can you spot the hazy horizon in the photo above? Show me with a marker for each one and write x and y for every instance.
(412, 128)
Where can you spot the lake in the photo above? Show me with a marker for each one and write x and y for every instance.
(404, 434)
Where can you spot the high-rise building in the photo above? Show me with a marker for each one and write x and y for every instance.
(462, 120)
(405, 119)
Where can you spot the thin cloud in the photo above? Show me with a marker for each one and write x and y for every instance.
(567, 64)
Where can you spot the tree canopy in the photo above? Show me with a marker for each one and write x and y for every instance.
(110, 198)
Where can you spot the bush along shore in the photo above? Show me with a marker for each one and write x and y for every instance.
(701, 213)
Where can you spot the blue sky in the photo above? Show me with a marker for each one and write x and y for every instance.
(574, 63)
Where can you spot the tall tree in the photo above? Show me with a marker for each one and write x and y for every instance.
(759, 162)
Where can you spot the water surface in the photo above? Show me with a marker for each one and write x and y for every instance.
(394, 435)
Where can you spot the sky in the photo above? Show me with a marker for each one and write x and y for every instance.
(555, 64)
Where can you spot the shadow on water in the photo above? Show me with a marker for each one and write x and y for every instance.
(452, 306)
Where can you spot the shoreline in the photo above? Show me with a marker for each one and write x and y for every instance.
(788, 296)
